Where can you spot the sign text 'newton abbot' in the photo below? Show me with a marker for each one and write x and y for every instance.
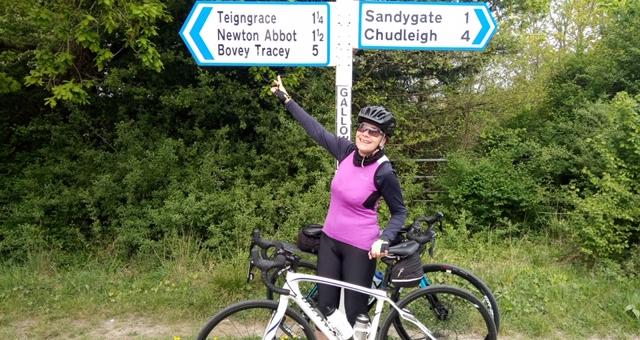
(258, 33)
(425, 25)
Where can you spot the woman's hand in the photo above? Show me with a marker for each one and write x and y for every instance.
(379, 249)
(278, 89)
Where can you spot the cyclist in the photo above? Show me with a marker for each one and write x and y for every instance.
(351, 239)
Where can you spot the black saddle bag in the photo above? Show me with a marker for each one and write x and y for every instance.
(309, 238)
(408, 271)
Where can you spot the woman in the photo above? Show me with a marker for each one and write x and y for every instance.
(351, 239)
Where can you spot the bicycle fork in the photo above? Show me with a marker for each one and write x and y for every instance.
(442, 313)
(278, 319)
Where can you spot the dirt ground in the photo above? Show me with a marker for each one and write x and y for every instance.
(140, 328)
(131, 327)
(112, 328)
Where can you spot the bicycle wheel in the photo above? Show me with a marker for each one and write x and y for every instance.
(248, 320)
(447, 274)
(448, 313)
(309, 289)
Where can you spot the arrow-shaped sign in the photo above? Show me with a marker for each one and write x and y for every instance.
(195, 33)
(272, 33)
(484, 24)
(425, 25)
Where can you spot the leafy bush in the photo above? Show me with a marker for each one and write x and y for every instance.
(607, 207)
(490, 189)
(584, 166)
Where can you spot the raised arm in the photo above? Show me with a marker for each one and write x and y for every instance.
(338, 147)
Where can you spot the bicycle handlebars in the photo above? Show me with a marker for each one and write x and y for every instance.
(256, 239)
(257, 260)
(423, 237)
(429, 219)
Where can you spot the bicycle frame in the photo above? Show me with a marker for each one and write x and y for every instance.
(292, 284)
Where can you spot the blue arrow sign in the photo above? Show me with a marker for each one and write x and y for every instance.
(484, 24)
(195, 33)
(453, 26)
(266, 33)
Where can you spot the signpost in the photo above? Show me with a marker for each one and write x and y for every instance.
(453, 26)
(271, 33)
(258, 33)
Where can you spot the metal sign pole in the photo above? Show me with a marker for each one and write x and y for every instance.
(345, 15)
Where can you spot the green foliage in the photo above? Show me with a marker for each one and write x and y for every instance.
(149, 187)
(69, 45)
(8, 84)
(606, 70)
(632, 311)
(606, 208)
(122, 155)
(492, 189)
(568, 157)
(588, 160)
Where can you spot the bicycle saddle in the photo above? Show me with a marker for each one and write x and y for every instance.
(312, 230)
(404, 248)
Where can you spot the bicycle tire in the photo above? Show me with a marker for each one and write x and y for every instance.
(248, 320)
(448, 312)
(457, 276)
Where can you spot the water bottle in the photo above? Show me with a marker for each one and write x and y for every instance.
(377, 279)
(339, 322)
(361, 328)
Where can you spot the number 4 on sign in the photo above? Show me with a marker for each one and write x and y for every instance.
(465, 35)
(318, 18)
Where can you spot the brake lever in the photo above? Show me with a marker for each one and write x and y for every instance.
(251, 265)
(250, 272)
(432, 247)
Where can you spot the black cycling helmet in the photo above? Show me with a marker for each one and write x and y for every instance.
(380, 117)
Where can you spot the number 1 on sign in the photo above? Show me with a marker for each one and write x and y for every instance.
(317, 18)
(317, 35)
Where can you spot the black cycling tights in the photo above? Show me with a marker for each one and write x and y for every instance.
(340, 261)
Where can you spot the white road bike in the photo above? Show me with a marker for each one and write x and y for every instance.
(436, 312)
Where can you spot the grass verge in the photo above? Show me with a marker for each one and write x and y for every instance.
(171, 293)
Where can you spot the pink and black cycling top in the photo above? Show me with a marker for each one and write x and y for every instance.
(356, 188)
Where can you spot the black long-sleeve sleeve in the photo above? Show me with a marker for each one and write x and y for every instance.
(389, 187)
(339, 147)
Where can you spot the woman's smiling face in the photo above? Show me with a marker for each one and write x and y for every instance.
(368, 138)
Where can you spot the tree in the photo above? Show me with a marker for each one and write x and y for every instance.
(68, 44)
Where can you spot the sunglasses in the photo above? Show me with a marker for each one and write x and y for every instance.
(372, 130)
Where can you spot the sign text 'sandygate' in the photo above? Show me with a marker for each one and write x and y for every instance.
(426, 26)
(244, 33)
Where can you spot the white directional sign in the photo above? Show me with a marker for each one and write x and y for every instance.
(222, 33)
(425, 25)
